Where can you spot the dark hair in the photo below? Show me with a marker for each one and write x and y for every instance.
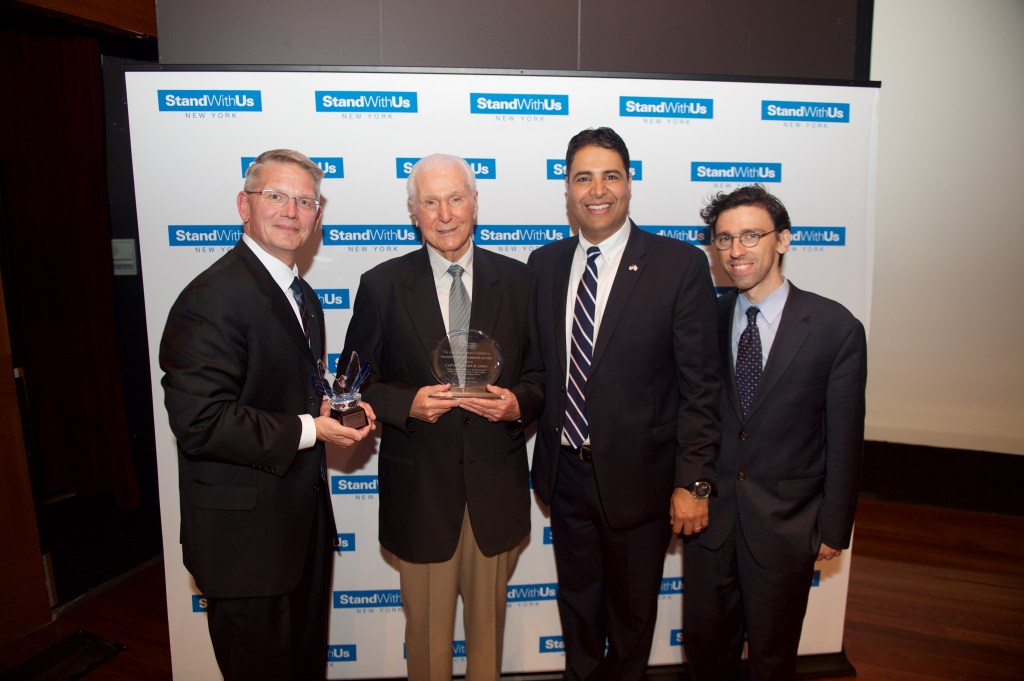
(752, 195)
(606, 138)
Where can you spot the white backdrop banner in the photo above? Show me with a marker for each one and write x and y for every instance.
(194, 133)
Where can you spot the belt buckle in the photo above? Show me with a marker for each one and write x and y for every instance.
(583, 453)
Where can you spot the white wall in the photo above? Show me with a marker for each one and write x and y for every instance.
(946, 355)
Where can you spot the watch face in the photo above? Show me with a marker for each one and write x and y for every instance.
(701, 489)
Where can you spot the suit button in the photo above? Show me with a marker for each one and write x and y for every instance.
(461, 463)
(741, 476)
(311, 400)
(316, 489)
(465, 420)
(744, 435)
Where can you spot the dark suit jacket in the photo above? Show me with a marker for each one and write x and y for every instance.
(789, 472)
(429, 472)
(652, 394)
(237, 373)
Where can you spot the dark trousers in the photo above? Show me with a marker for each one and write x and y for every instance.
(729, 597)
(279, 637)
(608, 580)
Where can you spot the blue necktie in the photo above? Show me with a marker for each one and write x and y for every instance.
(300, 300)
(748, 361)
(582, 351)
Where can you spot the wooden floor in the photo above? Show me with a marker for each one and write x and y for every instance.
(934, 594)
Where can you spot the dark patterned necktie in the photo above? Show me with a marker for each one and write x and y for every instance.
(300, 300)
(748, 361)
(577, 429)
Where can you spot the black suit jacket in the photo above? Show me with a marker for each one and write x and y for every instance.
(789, 472)
(429, 472)
(652, 395)
(237, 371)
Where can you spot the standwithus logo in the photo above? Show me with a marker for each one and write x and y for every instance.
(346, 542)
(675, 637)
(458, 650)
(483, 168)
(666, 107)
(203, 235)
(671, 586)
(341, 653)
(370, 235)
(818, 236)
(210, 100)
(333, 166)
(354, 484)
(373, 599)
(333, 298)
(724, 171)
(198, 603)
(366, 101)
(551, 644)
(698, 235)
(529, 593)
(557, 169)
(812, 112)
(520, 104)
(519, 235)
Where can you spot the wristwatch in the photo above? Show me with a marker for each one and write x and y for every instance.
(702, 489)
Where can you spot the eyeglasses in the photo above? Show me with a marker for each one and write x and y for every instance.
(281, 199)
(723, 242)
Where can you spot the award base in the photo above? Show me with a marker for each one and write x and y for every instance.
(353, 417)
(456, 393)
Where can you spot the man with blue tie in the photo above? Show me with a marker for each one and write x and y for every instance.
(794, 368)
(625, 450)
(239, 349)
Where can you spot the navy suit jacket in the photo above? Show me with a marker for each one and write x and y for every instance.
(652, 395)
(237, 372)
(789, 471)
(430, 472)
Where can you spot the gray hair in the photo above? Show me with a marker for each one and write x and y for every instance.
(438, 161)
(254, 173)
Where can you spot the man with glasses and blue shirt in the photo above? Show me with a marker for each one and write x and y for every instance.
(794, 367)
(238, 353)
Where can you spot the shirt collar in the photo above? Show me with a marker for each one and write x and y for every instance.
(611, 246)
(439, 265)
(281, 273)
(771, 307)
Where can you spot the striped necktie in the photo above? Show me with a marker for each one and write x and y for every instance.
(459, 307)
(577, 430)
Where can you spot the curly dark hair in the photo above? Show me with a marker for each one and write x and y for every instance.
(752, 195)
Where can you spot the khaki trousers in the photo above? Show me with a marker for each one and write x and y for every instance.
(429, 595)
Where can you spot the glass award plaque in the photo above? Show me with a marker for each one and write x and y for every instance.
(342, 390)
(469, 360)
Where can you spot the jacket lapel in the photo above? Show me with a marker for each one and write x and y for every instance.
(560, 291)
(486, 299)
(793, 331)
(726, 309)
(421, 302)
(631, 269)
(280, 308)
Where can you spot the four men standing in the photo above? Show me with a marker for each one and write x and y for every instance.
(611, 338)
